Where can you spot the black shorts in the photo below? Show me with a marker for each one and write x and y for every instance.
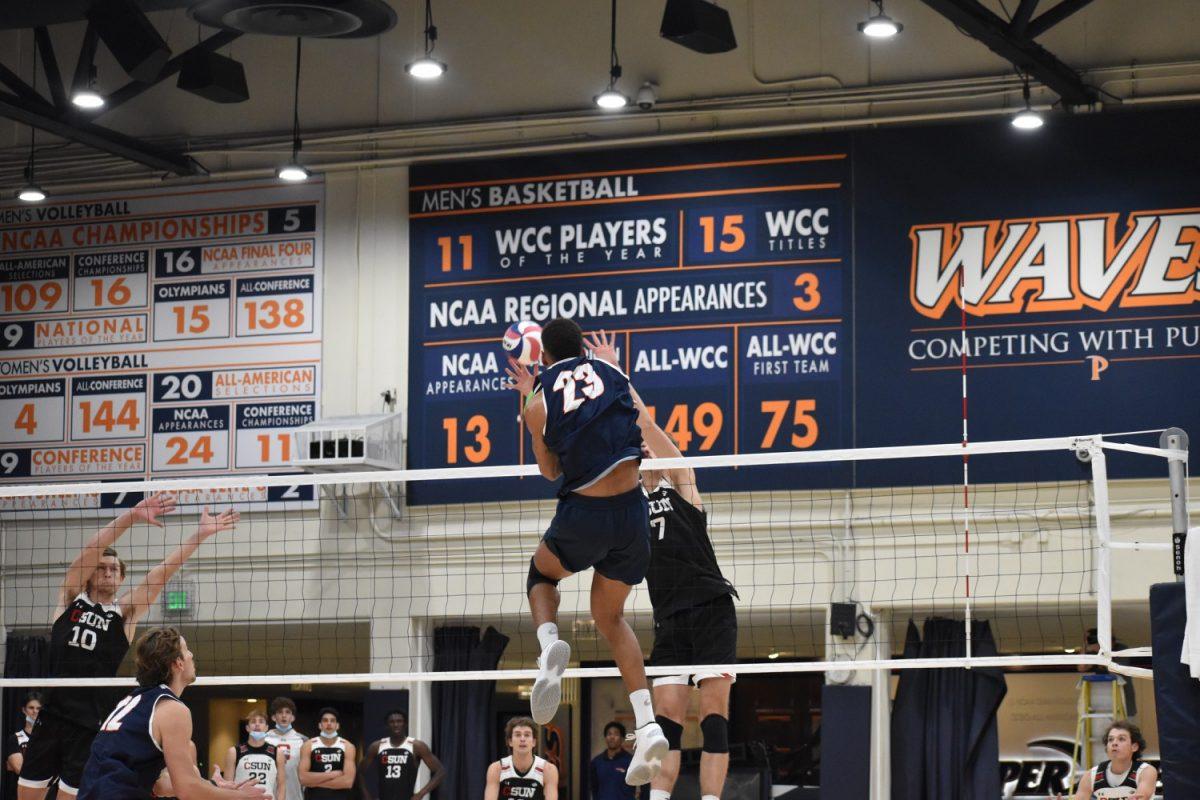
(58, 748)
(611, 534)
(702, 634)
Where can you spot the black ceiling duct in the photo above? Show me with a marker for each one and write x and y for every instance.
(329, 19)
(698, 25)
(214, 77)
(130, 37)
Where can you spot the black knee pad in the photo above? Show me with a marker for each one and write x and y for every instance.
(672, 730)
(716, 733)
(535, 578)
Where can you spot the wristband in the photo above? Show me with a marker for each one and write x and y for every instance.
(528, 397)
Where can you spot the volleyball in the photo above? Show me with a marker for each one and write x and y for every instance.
(523, 341)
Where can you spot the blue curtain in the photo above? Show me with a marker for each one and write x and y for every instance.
(945, 745)
(463, 711)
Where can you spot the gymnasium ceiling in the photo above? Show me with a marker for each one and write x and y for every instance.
(522, 73)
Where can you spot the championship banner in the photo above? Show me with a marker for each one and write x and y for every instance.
(159, 333)
(1073, 258)
(813, 292)
(722, 272)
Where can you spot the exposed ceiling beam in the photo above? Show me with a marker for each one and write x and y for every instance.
(134, 88)
(1021, 18)
(1025, 54)
(18, 86)
(50, 67)
(1054, 16)
(76, 130)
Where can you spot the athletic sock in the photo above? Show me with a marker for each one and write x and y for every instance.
(547, 634)
(643, 710)
(710, 797)
(659, 794)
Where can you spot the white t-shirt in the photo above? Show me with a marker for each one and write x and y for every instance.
(289, 744)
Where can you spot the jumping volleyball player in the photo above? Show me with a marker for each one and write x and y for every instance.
(584, 426)
(89, 638)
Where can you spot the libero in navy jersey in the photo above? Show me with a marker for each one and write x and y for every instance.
(328, 762)
(694, 618)
(151, 729)
(521, 775)
(583, 420)
(90, 635)
(397, 759)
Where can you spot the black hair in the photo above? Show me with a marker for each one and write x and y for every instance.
(393, 713)
(614, 724)
(329, 710)
(562, 338)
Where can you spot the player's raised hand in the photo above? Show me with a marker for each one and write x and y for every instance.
(604, 346)
(520, 377)
(153, 507)
(210, 525)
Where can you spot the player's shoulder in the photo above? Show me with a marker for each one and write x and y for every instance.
(1144, 768)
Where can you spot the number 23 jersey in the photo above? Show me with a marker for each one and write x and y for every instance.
(591, 422)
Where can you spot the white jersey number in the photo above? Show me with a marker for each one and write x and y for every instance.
(113, 723)
(589, 382)
(83, 637)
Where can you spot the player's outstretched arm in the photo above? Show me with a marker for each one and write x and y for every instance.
(372, 752)
(436, 771)
(492, 790)
(135, 605)
(550, 782)
(81, 569)
(173, 728)
(533, 411)
(662, 445)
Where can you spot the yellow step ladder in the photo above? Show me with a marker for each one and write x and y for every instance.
(1101, 700)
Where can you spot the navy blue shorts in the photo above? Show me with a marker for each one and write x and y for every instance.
(609, 534)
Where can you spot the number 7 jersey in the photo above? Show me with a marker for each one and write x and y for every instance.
(591, 422)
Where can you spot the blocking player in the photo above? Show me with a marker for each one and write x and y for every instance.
(521, 775)
(258, 759)
(694, 618)
(90, 636)
(584, 427)
(287, 741)
(397, 758)
(152, 728)
(1123, 775)
(328, 762)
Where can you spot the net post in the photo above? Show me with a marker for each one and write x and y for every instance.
(1177, 439)
(1104, 540)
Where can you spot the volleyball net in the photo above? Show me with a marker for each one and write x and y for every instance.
(335, 578)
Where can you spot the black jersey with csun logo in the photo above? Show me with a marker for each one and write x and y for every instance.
(397, 769)
(87, 641)
(683, 570)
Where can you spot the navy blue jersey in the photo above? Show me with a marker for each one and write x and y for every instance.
(125, 760)
(591, 422)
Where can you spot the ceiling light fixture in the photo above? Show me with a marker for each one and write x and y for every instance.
(1027, 119)
(293, 171)
(86, 97)
(611, 99)
(880, 25)
(31, 192)
(427, 67)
